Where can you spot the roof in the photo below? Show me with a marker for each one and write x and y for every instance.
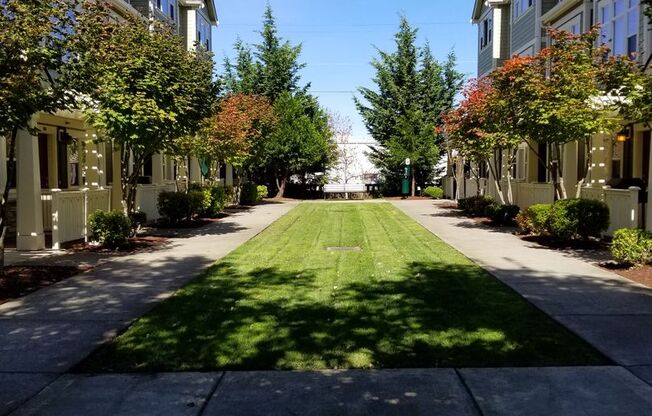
(477, 7)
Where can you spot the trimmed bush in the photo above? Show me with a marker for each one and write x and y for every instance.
(248, 194)
(434, 192)
(475, 206)
(261, 192)
(218, 200)
(632, 246)
(573, 218)
(502, 214)
(200, 201)
(111, 228)
(174, 206)
(534, 220)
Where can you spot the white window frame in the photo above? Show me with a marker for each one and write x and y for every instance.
(629, 17)
(521, 7)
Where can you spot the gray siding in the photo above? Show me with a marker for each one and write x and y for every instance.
(485, 61)
(523, 30)
(485, 57)
(506, 36)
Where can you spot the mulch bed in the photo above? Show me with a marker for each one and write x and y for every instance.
(20, 280)
(642, 274)
(136, 244)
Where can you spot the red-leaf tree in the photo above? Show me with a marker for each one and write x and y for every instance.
(558, 96)
(477, 131)
(231, 135)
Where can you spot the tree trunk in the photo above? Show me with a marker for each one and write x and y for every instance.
(281, 181)
(414, 182)
(494, 168)
(11, 173)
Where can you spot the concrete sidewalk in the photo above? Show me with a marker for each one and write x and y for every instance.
(570, 391)
(44, 334)
(612, 313)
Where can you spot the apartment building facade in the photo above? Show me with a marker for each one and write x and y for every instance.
(619, 170)
(66, 172)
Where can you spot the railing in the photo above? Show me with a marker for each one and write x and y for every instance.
(624, 207)
(470, 187)
(69, 212)
(528, 194)
(147, 199)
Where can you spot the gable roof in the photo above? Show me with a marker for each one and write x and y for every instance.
(477, 10)
(479, 6)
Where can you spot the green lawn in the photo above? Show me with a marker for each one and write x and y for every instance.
(282, 301)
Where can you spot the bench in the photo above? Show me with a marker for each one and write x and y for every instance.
(345, 190)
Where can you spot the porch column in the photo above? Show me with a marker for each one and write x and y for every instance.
(116, 189)
(29, 222)
(92, 166)
(157, 169)
(229, 176)
(195, 172)
(169, 166)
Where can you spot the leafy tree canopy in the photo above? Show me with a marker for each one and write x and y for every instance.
(144, 89)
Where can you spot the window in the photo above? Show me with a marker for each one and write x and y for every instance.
(486, 34)
(159, 4)
(521, 7)
(620, 24)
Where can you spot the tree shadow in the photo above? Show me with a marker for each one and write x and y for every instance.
(431, 315)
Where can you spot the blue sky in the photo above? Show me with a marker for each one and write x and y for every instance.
(339, 38)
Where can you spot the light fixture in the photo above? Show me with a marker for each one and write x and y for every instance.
(623, 135)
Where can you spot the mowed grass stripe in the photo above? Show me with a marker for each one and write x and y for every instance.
(282, 301)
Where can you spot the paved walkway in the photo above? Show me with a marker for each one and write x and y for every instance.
(596, 304)
(612, 313)
(47, 332)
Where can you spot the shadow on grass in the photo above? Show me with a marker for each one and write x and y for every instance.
(433, 315)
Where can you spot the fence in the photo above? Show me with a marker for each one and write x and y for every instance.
(147, 198)
(624, 206)
(69, 211)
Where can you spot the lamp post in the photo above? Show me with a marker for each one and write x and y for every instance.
(405, 183)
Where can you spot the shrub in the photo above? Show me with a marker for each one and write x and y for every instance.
(174, 206)
(218, 200)
(230, 195)
(248, 194)
(572, 218)
(475, 206)
(632, 246)
(199, 202)
(534, 220)
(434, 192)
(502, 214)
(111, 228)
(261, 192)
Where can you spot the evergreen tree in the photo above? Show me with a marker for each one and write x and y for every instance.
(301, 141)
(412, 90)
(270, 68)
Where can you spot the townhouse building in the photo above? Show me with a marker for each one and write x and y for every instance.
(66, 172)
(619, 169)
